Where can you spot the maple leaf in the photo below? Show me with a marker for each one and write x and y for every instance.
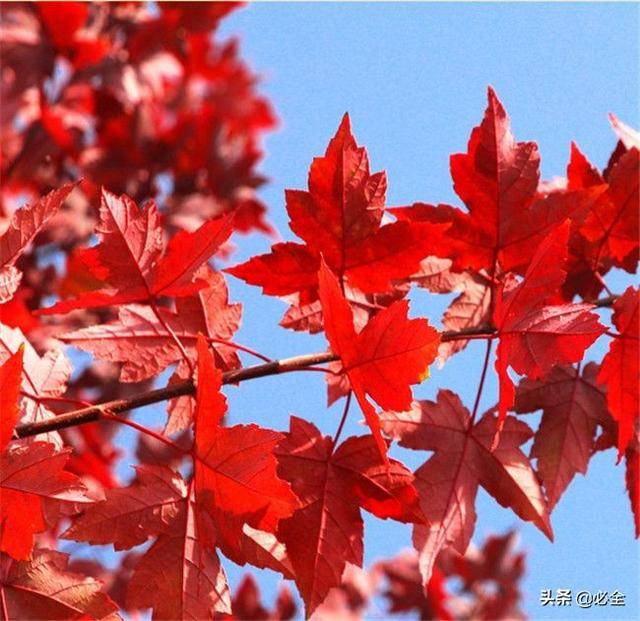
(534, 334)
(620, 368)
(179, 576)
(496, 565)
(25, 224)
(10, 380)
(632, 480)
(497, 179)
(42, 377)
(30, 475)
(43, 588)
(385, 358)
(471, 309)
(128, 260)
(613, 224)
(246, 603)
(573, 404)
(130, 515)
(235, 477)
(629, 137)
(326, 532)
(340, 218)
(464, 459)
(407, 592)
(604, 232)
(141, 341)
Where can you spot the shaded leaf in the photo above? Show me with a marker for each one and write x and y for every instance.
(448, 482)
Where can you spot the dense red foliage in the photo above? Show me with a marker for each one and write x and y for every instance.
(136, 124)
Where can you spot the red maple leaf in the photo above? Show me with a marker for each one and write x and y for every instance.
(31, 475)
(385, 358)
(620, 368)
(464, 459)
(43, 377)
(246, 603)
(141, 341)
(340, 218)
(326, 532)
(497, 179)
(43, 588)
(25, 224)
(180, 575)
(534, 333)
(573, 405)
(10, 381)
(129, 263)
(406, 590)
(235, 477)
(613, 223)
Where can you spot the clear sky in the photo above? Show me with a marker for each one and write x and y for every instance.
(414, 78)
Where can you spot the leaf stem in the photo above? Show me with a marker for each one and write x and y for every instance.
(145, 430)
(483, 377)
(244, 348)
(345, 412)
(65, 400)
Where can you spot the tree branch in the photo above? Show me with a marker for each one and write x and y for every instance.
(94, 413)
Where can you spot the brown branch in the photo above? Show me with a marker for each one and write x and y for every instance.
(605, 302)
(96, 412)
(466, 333)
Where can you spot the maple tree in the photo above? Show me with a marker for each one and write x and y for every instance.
(122, 188)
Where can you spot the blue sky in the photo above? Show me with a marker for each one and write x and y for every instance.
(413, 78)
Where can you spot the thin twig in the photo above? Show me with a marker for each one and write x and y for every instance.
(144, 430)
(345, 412)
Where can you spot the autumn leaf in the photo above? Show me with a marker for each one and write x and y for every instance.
(131, 515)
(179, 576)
(632, 481)
(247, 604)
(497, 179)
(463, 460)
(235, 477)
(620, 368)
(573, 405)
(535, 334)
(42, 377)
(385, 358)
(326, 532)
(613, 224)
(140, 340)
(470, 309)
(10, 380)
(406, 590)
(25, 224)
(31, 475)
(603, 228)
(129, 261)
(340, 217)
(43, 588)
